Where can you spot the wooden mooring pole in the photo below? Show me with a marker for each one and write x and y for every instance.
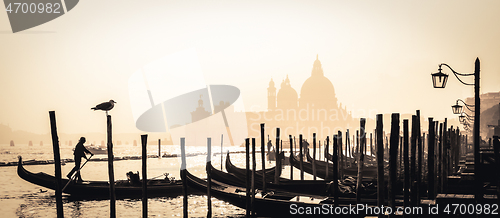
(159, 148)
(247, 178)
(314, 156)
(341, 154)
(413, 153)
(327, 161)
(184, 179)
(430, 158)
(222, 149)
(301, 157)
(263, 156)
(406, 162)
(290, 156)
(419, 159)
(277, 172)
(380, 162)
(254, 168)
(144, 142)
(57, 163)
(111, 173)
(393, 161)
(335, 170)
(361, 157)
(209, 177)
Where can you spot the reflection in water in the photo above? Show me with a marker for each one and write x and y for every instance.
(75, 208)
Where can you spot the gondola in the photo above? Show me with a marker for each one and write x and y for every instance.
(264, 206)
(100, 189)
(369, 172)
(240, 172)
(307, 187)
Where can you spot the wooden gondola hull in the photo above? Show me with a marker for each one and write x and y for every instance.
(100, 189)
(308, 187)
(369, 172)
(263, 207)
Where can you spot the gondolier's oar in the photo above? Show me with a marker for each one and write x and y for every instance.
(74, 174)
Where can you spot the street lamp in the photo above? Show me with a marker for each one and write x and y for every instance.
(464, 116)
(439, 80)
(457, 109)
(461, 118)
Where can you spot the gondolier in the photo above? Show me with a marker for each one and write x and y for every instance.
(79, 152)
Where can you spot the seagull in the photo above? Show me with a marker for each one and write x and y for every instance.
(105, 106)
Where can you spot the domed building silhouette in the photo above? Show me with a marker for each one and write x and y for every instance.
(317, 91)
(315, 110)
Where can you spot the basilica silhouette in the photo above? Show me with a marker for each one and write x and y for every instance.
(315, 110)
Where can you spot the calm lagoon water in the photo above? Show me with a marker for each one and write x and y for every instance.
(19, 198)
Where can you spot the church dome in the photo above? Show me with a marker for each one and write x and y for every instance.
(287, 96)
(318, 90)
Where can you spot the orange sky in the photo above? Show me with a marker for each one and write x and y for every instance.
(378, 54)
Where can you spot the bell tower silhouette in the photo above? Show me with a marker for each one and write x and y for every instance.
(271, 96)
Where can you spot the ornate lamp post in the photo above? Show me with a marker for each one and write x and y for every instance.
(439, 80)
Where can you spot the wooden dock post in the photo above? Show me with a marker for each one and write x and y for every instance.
(327, 161)
(222, 147)
(57, 163)
(144, 142)
(340, 152)
(301, 157)
(334, 171)
(371, 145)
(419, 159)
(263, 156)
(357, 143)
(254, 168)
(277, 172)
(159, 148)
(184, 179)
(393, 153)
(413, 153)
(209, 177)
(439, 162)
(247, 178)
(380, 162)
(291, 152)
(361, 157)
(111, 173)
(445, 160)
(430, 158)
(406, 163)
(314, 156)
(348, 145)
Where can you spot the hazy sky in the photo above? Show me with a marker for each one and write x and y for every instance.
(378, 54)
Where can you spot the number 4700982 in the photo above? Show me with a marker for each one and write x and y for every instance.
(461, 209)
(34, 8)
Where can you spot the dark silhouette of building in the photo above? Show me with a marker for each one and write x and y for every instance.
(316, 110)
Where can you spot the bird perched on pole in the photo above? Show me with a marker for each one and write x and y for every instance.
(105, 106)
